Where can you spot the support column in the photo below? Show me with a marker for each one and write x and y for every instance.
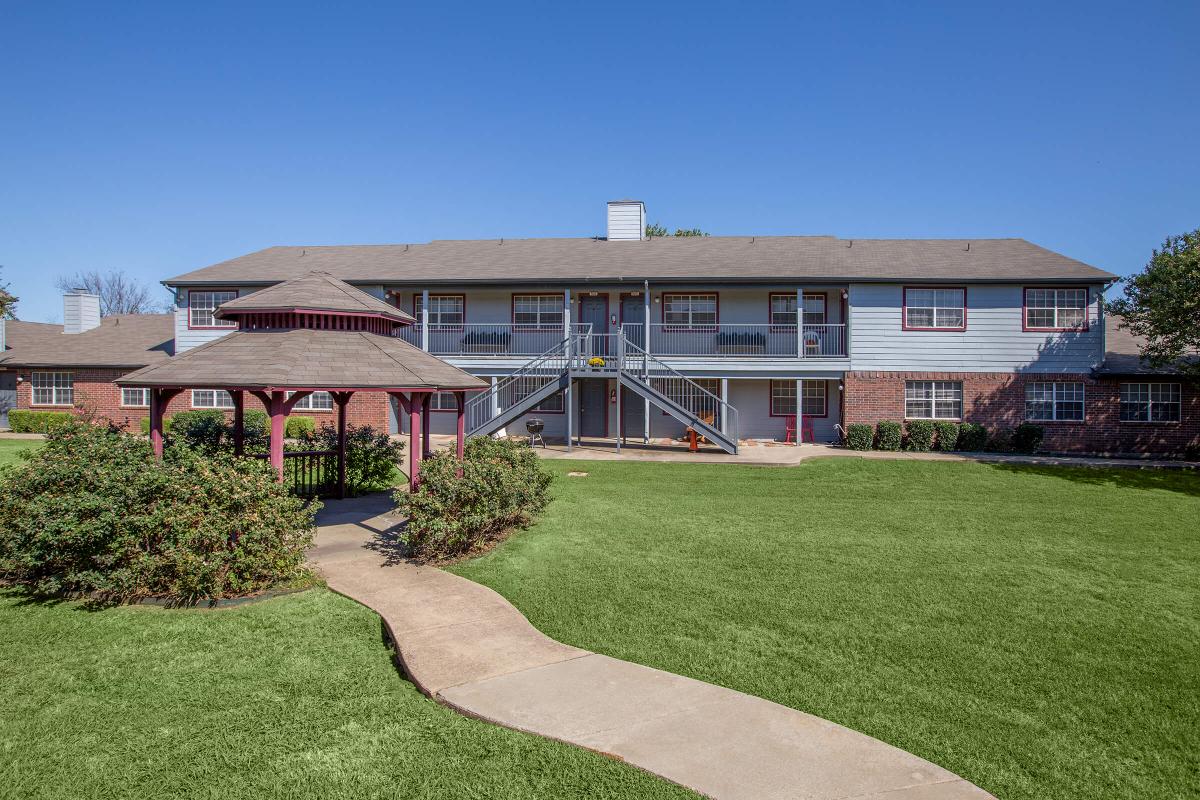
(569, 410)
(799, 411)
(645, 365)
(425, 320)
(341, 399)
(158, 405)
(620, 420)
(460, 399)
(239, 420)
(278, 412)
(799, 328)
(414, 440)
(426, 414)
(725, 405)
(566, 313)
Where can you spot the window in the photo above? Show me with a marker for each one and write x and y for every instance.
(201, 306)
(690, 310)
(783, 309)
(814, 309)
(211, 398)
(1056, 309)
(1047, 402)
(935, 309)
(538, 311)
(53, 389)
(1150, 402)
(444, 401)
(783, 398)
(135, 398)
(932, 400)
(317, 401)
(445, 310)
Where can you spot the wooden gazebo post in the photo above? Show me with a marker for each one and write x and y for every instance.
(239, 421)
(460, 398)
(159, 398)
(341, 399)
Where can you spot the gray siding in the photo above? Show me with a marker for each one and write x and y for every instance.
(993, 341)
(185, 337)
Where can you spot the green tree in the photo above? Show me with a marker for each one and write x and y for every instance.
(1162, 303)
(8, 303)
(656, 229)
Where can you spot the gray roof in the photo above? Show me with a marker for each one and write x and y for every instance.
(678, 259)
(305, 359)
(1122, 354)
(315, 291)
(122, 340)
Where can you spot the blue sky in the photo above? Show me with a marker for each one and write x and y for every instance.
(161, 137)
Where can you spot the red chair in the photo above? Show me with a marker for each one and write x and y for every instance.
(789, 429)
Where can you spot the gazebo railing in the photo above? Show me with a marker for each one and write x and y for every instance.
(309, 473)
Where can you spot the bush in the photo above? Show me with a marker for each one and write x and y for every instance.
(93, 512)
(1000, 441)
(372, 457)
(972, 437)
(947, 436)
(28, 421)
(920, 435)
(503, 486)
(298, 427)
(203, 429)
(1027, 438)
(887, 435)
(859, 436)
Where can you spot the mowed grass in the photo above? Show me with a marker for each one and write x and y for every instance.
(1034, 630)
(11, 449)
(291, 697)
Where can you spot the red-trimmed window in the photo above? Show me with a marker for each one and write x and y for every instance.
(933, 399)
(1056, 309)
(211, 398)
(52, 388)
(935, 309)
(1151, 402)
(445, 310)
(1054, 401)
(538, 311)
(202, 304)
(783, 398)
(690, 310)
(135, 398)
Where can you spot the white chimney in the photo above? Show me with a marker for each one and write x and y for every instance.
(626, 220)
(81, 311)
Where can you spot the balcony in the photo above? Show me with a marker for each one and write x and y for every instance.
(488, 339)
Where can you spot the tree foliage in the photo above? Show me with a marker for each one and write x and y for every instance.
(119, 293)
(657, 230)
(8, 303)
(1162, 304)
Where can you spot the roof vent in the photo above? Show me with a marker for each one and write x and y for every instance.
(626, 220)
(81, 311)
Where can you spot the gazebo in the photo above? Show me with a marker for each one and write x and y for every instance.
(309, 334)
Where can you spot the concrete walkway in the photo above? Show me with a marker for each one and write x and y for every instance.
(469, 648)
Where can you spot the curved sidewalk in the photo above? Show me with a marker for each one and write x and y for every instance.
(466, 646)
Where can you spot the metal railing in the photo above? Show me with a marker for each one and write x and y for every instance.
(488, 338)
(308, 473)
(533, 377)
(676, 386)
(740, 341)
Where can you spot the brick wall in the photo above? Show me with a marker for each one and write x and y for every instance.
(997, 400)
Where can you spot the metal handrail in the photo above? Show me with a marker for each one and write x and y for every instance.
(680, 388)
(487, 405)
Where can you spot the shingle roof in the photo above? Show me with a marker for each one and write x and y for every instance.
(731, 258)
(1122, 354)
(315, 291)
(123, 340)
(304, 358)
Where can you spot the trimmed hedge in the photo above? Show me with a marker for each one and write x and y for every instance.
(503, 486)
(920, 435)
(202, 428)
(93, 512)
(859, 436)
(947, 436)
(298, 427)
(1027, 438)
(888, 435)
(972, 437)
(30, 421)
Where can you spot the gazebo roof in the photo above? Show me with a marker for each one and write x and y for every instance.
(305, 359)
(317, 292)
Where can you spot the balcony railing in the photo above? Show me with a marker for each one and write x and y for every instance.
(488, 339)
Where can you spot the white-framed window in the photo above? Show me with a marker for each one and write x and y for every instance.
(783, 398)
(443, 401)
(538, 311)
(690, 310)
(1151, 402)
(783, 309)
(317, 401)
(814, 309)
(202, 304)
(445, 310)
(935, 309)
(1056, 309)
(135, 398)
(1052, 401)
(53, 388)
(933, 399)
(211, 398)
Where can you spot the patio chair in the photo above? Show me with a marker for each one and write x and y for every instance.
(789, 429)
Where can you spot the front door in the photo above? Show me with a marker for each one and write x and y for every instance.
(8, 396)
(593, 407)
(593, 309)
(633, 315)
(633, 414)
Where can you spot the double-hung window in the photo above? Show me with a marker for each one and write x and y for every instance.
(317, 401)
(445, 310)
(691, 310)
(538, 311)
(135, 398)
(935, 309)
(211, 398)
(933, 400)
(202, 304)
(1053, 401)
(444, 401)
(1150, 402)
(1056, 309)
(783, 309)
(53, 389)
(783, 398)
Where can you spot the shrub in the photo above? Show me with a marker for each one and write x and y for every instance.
(1000, 441)
(859, 436)
(297, 427)
(372, 456)
(203, 429)
(502, 486)
(920, 435)
(94, 512)
(947, 436)
(972, 437)
(28, 421)
(887, 435)
(1027, 438)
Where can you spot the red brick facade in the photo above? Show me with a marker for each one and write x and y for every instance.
(997, 400)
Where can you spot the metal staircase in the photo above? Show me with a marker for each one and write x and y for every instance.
(583, 355)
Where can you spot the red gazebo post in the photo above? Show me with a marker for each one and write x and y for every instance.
(341, 399)
(426, 413)
(159, 398)
(239, 420)
(460, 398)
(278, 413)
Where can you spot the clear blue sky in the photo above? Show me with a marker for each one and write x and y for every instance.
(161, 137)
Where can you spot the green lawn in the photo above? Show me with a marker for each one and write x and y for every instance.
(10, 449)
(1034, 630)
(291, 697)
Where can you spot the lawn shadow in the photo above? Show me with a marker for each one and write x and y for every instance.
(1183, 481)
